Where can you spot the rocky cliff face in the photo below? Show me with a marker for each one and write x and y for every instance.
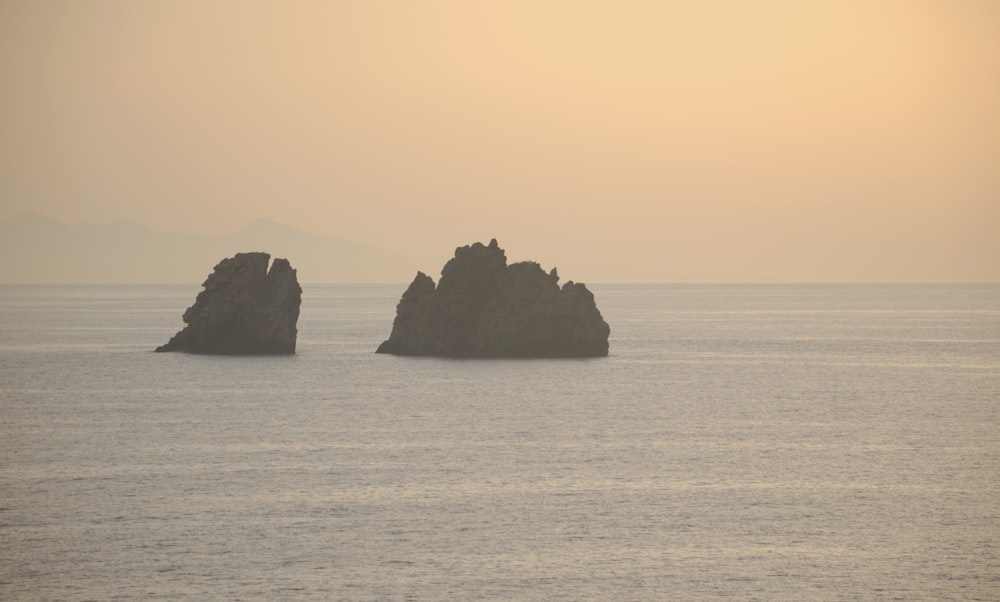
(244, 309)
(483, 307)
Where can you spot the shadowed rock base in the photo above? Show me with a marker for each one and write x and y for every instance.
(485, 308)
(243, 310)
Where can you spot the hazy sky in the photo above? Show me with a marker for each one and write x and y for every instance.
(665, 141)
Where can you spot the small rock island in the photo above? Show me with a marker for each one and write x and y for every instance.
(244, 309)
(483, 307)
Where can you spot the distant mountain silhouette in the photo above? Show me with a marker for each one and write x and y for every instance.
(36, 248)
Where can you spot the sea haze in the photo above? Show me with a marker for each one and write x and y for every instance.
(752, 442)
(38, 249)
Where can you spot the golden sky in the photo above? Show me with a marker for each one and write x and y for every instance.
(620, 141)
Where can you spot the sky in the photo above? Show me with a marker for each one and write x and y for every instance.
(620, 141)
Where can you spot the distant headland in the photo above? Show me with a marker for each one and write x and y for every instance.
(39, 249)
(483, 307)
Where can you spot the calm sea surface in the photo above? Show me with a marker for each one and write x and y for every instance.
(753, 442)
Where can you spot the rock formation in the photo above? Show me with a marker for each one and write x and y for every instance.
(483, 307)
(244, 309)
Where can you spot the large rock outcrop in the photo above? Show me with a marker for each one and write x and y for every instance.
(483, 307)
(243, 310)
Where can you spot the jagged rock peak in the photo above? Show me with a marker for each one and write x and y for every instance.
(483, 307)
(244, 309)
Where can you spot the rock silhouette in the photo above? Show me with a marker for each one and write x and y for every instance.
(244, 309)
(483, 307)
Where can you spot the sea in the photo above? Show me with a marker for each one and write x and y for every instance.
(748, 442)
